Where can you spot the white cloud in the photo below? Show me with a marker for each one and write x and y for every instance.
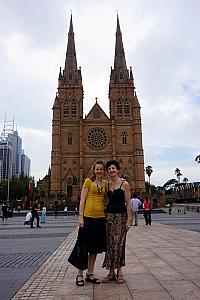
(37, 145)
(161, 41)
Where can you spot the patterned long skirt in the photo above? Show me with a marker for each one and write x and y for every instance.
(116, 240)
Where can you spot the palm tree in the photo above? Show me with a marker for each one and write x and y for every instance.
(149, 171)
(197, 159)
(178, 174)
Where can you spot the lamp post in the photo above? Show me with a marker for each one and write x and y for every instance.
(8, 171)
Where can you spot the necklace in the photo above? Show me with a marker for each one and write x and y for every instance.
(99, 188)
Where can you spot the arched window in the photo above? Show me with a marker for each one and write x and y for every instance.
(124, 138)
(75, 180)
(70, 76)
(66, 109)
(69, 138)
(126, 107)
(119, 107)
(73, 107)
(121, 75)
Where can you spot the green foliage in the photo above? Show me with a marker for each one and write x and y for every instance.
(185, 180)
(18, 188)
(169, 182)
(178, 174)
(149, 171)
(197, 159)
(3, 190)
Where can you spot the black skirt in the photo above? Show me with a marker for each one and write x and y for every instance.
(95, 234)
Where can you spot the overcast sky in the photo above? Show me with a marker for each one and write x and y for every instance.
(162, 44)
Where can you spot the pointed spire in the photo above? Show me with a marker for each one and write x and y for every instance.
(120, 73)
(60, 74)
(56, 101)
(131, 74)
(71, 73)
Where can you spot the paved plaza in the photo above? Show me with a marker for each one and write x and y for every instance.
(23, 250)
(162, 262)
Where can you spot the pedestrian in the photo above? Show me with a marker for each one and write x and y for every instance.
(44, 215)
(92, 219)
(4, 212)
(76, 210)
(147, 210)
(28, 218)
(65, 211)
(118, 222)
(34, 212)
(56, 211)
(135, 204)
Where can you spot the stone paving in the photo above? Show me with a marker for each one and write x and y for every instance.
(23, 250)
(162, 263)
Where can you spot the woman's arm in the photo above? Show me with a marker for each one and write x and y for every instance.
(84, 193)
(127, 193)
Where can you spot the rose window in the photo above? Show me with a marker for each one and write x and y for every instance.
(97, 138)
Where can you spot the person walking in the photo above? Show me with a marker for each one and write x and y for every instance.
(118, 222)
(56, 212)
(147, 210)
(92, 220)
(44, 215)
(65, 211)
(34, 212)
(4, 212)
(135, 204)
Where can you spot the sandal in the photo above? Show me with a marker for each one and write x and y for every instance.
(120, 278)
(79, 282)
(92, 279)
(108, 278)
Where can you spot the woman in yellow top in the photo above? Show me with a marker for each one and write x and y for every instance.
(92, 219)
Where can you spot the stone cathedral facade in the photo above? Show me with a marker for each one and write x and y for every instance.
(78, 142)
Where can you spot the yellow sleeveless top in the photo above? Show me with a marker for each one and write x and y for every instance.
(94, 203)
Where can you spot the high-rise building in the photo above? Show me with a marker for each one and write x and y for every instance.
(77, 141)
(11, 153)
(25, 164)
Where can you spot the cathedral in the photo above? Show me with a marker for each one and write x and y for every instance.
(78, 142)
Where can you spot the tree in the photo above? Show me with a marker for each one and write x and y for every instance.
(149, 171)
(197, 159)
(185, 180)
(3, 190)
(178, 174)
(169, 183)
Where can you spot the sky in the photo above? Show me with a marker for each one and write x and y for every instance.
(161, 41)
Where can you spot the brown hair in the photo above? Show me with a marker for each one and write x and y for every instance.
(112, 162)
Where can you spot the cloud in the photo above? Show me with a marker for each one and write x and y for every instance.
(37, 145)
(161, 41)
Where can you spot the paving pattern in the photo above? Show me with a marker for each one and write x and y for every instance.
(23, 250)
(16, 260)
(162, 262)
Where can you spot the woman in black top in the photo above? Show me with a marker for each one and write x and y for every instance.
(118, 222)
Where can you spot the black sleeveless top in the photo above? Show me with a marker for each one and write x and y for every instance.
(116, 203)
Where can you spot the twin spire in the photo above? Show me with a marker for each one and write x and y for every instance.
(120, 74)
(71, 75)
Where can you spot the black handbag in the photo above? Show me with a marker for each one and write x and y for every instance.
(79, 255)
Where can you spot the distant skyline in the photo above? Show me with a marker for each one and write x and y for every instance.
(161, 42)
